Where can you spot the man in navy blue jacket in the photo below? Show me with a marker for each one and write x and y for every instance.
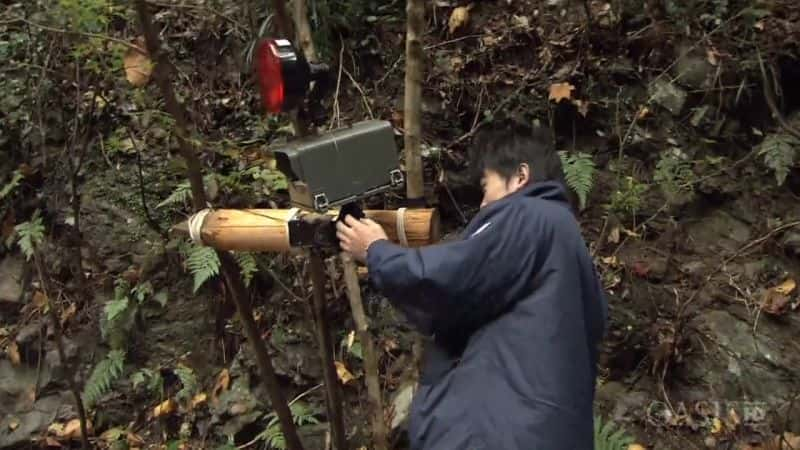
(514, 309)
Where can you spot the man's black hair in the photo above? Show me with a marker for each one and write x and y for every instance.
(503, 148)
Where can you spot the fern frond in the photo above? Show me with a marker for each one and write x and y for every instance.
(181, 195)
(247, 264)
(302, 414)
(579, 172)
(780, 154)
(103, 376)
(189, 382)
(30, 235)
(11, 185)
(674, 174)
(608, 437)
(115, 308)
(203, 264)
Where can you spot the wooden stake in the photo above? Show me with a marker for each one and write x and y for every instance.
(317, 267)
(229, 268)
(371, 356)
(412, 110)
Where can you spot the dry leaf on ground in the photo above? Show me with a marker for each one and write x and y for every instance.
(636, 447)
(13, 353)
(222, 384)
(166, 408)
(561, 91)
(786, 288)
(198, 400)
(341, 371)
(459, 18)
(138, 66)
(583, 107)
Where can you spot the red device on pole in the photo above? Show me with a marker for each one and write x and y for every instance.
(283, 75)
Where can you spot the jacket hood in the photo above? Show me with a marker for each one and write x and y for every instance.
(545, 190)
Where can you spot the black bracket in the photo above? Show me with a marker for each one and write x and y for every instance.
(318, 231)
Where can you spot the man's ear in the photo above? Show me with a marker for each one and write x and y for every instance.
(524, 174)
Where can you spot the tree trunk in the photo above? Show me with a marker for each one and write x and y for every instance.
(412, 111)
(229, 268)
(304, 37)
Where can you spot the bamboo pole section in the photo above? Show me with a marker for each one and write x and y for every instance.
(267, 230)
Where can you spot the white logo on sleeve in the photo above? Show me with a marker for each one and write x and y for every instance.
(479, 230)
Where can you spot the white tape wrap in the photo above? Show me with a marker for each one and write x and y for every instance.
(401, 227)
(196, 226)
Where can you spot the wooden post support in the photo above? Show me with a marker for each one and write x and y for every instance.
(371, 356)
(317, 267)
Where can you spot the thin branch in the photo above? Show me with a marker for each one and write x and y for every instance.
(150, 220)
(770, 97)
(73, 32)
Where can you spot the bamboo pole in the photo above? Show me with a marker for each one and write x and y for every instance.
(266, 230)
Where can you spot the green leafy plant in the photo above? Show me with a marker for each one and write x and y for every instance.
(151, 379)
(607, 436)
(248, 265)
(119, 313)
(202, 263)
(579, 171)
(627, 198)
(16, 177)
(108, 370)
(30, 235)
(272, 436)
(780, 154)
(189, 382)
(674, 174)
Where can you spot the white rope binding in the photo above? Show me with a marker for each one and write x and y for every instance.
(196, 226)
(401, 227)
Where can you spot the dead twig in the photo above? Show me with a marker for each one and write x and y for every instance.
(770, 98)
(150, 220)
(73, 32)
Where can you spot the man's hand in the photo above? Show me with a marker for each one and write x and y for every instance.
(356, 236)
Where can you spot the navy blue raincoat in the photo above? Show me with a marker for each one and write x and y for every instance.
(515, 312)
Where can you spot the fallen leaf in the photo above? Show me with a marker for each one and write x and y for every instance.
(68, 313)
(198, 400)
(716, 426)
(13, 424)
(223, 381)
(166, 407)
(733, 421)
(458, 18)
(613, 236)
(39, 299)
(773, 302)
(561, 91)
(644, 112)
(138, 66)
(13, 353)
(51, 442)
(351, 337)
(72, 430)
(636, 447)
(134, 439)
(583, 106)
(786, 288)
(238, 408)
(341, 371)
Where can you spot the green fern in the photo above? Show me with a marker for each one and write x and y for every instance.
(103, 376)
(608, 437)
(189, 382)
(181, 195)
(11, 185)
(780, 154)
(116, 308)
(30, 235)
(151, 379)
(248, 265)
(202, 263)
(674, 174)
(273, 436)
(579, 171)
